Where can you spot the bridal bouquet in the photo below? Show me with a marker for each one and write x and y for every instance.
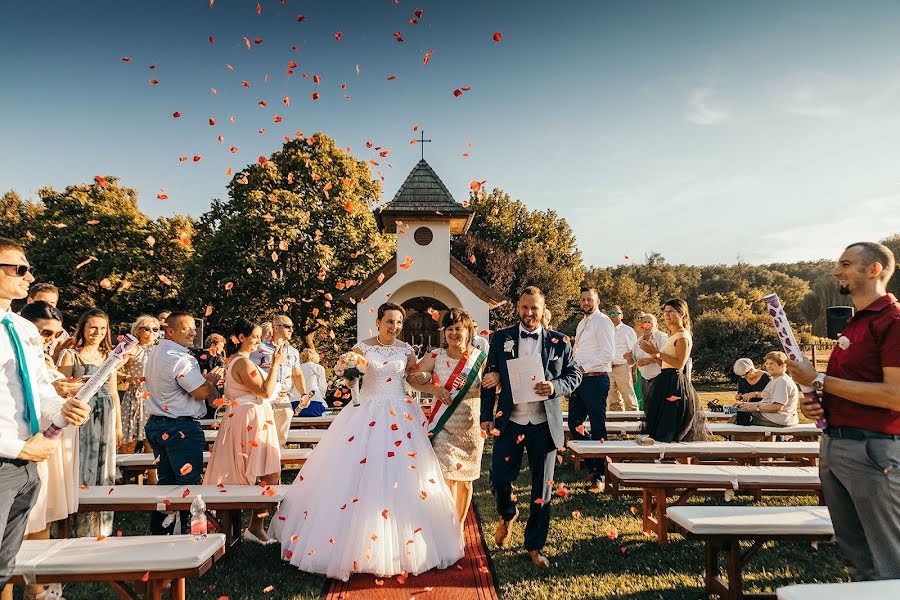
(351, 366)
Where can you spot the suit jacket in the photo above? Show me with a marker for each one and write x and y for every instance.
(560, 368)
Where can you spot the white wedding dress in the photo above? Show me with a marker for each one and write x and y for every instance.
(371, 498)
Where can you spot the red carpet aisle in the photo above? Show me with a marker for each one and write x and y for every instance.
(469, 579)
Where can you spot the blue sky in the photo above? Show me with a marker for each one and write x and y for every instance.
(707, 131)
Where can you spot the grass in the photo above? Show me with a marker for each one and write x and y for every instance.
(587, 563)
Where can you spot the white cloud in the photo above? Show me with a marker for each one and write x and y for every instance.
(702, 110)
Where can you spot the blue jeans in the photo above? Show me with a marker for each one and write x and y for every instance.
(589, 400)
(175, 443)
(19, 485)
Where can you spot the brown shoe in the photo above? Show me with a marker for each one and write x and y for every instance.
(504, 528)
(598, 487)
(538, 559)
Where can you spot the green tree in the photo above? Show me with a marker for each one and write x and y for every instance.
(722, 337)
(295, 234)
(17, 217)
(893, 243)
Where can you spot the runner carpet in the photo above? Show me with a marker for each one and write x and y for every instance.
(469, 579)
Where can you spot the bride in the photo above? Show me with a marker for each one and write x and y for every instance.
(371, 498)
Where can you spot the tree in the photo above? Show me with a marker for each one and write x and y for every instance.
(294, 235)
(722, 337)
(17, 217)
(893, 243)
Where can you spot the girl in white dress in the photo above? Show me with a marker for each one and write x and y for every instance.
(372, 498)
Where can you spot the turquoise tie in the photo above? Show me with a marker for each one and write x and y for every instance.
(30, 414)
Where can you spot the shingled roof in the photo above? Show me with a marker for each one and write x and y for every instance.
(423, 196)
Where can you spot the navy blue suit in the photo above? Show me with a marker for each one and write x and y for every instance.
(540, 440)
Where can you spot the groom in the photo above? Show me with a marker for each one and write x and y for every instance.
(533, 426)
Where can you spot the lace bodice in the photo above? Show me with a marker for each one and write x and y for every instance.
(385, 373)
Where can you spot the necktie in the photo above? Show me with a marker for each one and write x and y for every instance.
(29, 414)
(525, 334)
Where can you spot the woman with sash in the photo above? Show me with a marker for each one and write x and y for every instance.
(453, 376)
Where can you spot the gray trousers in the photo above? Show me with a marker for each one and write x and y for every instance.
(19, 485)
(861, 485)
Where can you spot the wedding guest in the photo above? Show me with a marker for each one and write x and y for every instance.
(535, 426)
(49, 293)
(211, 358)
(26, 399)
(161, 317)
(859, 465)
(670, 410)
(545, 320)
(267, 331)
(778, 404)
(288, 374)
(648, 366)
(134, 416)
(456, 433)
(621, 385)
(594, 350)
(58, 497)
(752, 380)
(316, 384)
(178, 394)
(247, 448)
(102, 433)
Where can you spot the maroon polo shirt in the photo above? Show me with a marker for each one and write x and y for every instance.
(874, 334)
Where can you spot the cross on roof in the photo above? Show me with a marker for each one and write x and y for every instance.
(422, 141)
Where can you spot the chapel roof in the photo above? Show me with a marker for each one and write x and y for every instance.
(423, 196)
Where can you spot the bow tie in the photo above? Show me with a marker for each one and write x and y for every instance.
(524, 334)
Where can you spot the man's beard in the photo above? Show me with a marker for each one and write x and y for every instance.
(844, 290)
(587, 311)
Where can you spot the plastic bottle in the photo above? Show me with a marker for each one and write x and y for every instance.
(198, 517)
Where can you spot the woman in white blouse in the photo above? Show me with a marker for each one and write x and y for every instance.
(778, 405)
(316, 384)
(648, 365)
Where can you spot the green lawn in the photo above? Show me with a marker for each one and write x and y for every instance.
(587, 564)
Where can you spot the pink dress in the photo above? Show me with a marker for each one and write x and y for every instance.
(246, 446)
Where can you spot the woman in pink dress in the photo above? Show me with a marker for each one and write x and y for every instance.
(246, 449)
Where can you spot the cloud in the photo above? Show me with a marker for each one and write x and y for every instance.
(702, 110)
(806, 102)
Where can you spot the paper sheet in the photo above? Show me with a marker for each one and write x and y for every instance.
(524, 373)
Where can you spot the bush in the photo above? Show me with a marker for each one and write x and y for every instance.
(722, 337)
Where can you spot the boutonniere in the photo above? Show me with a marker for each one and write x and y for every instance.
(508, 345)
(554, 340)
(843, 342)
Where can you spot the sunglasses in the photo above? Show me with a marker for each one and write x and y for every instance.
(20, 269)
(285, 326)
(153, 329)
(615, 312)
(49, 333)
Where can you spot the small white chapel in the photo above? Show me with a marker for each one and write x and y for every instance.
(423, 277)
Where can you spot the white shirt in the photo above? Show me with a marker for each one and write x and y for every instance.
(314, 376)
(625, 340)
(171, 374)
(782, 390)
(285, 376)
(595, 342)
(650, 371)
(14, 431)
(529, 412)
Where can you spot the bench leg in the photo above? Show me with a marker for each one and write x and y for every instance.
(733, 568)
(124, 590)
(646, 510)
(662, 521)
(177, 591)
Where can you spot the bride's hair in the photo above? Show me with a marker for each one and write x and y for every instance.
(243, 327)
(390, 306)
(459, 316)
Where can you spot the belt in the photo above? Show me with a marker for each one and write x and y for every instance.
(172, 418)
(595, 374)
(17, 462)
(855, 433)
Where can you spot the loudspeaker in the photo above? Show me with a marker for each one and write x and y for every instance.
(836, 319)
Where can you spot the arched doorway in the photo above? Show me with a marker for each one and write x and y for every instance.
(421, 329)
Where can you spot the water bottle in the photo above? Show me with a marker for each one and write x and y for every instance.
(198, 518)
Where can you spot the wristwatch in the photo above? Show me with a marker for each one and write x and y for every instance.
(659, 355)
(818, 383)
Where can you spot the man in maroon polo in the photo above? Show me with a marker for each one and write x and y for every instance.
(860, 457)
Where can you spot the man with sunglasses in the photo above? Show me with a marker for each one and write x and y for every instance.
(621, 394)
(293, 386)
(28, 402)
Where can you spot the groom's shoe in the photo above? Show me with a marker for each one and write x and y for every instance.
(538, 559)
(504, 528)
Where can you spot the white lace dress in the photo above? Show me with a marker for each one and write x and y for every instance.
(371, 498)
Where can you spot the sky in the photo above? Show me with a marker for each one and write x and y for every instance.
(709, 132)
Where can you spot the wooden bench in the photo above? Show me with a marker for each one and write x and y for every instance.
(722, 528)
(322, 422)
(151, 562)
(637, 415)
(867, 590)
(228, 501)
(302, 437)
(136, 465)
(732, 431)
(659, 481)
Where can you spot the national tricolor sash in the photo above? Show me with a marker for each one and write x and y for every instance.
(468, 368)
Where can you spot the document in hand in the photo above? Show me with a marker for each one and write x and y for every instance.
(524, 373)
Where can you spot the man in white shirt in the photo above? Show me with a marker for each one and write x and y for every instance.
(290, 376)
(178, 393)
(28, 404)
(595, 341)
(621, 385)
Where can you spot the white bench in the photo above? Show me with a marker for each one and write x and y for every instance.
(658, 481)
(637, 415)
(868, 590)
(722, 528)
(726, 430)
(227, 500)
(138, 464)
(322, 422)
(154, 561)
(303, 437)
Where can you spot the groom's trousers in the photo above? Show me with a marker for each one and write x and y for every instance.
(505, 466)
